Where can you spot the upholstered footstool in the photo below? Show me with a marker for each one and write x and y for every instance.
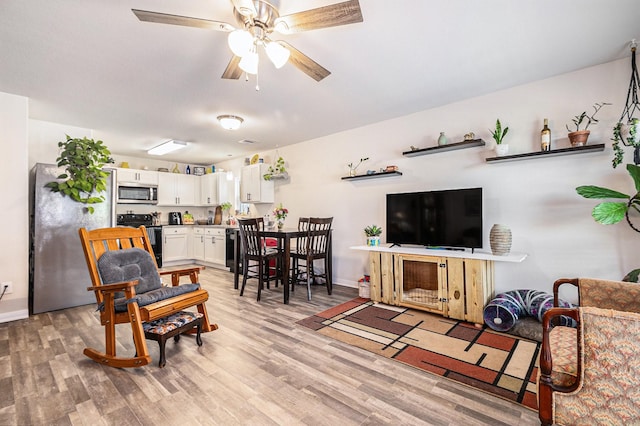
(173, 326)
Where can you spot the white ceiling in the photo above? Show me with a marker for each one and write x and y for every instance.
(93, 64)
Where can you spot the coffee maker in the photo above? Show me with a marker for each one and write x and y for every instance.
(175, 218)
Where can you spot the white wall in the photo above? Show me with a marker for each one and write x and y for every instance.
(536, 198)
(14, 214)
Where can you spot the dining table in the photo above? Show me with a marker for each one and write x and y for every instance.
(284, 237)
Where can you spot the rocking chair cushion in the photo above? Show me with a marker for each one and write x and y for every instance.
(156, 295)
(127, 265)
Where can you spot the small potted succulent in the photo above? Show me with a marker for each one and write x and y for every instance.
(498, 135)
(373, 235)
(579, 137)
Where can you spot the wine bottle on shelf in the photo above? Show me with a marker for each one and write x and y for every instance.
(545, 137)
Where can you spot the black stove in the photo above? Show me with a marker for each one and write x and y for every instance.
(134, 220)
(155, 232)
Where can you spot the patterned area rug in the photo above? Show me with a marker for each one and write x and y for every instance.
(500, 364)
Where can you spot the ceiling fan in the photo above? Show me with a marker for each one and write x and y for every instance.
(256, 21)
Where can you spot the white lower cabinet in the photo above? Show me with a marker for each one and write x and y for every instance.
(208, 245)
(197, 244)
(214, 246)
(175, 243)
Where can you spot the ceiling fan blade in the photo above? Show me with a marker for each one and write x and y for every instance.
(344, 13)
(185, 21)
(245, 7)
(233, 71)
(305, 63)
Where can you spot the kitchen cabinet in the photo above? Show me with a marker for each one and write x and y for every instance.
(176, 189)
(214, 189)
(208, 245)
(253, 187)
(147, 177)
(197, 244)
(214, 246)
(175, 243)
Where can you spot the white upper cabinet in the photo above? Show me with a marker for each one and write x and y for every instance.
(147, 177)
(214, 189)
(253, 188)
(176, 189)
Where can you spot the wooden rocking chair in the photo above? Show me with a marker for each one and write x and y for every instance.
(128, 289)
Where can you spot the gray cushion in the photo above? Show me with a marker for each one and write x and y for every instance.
(127, 265)
(136, 264)
(157, 295)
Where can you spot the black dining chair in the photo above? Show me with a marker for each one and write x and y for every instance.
(256, 255)
(313, 245)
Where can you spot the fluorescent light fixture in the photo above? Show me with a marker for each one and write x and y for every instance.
(167, 147)
(230, 122)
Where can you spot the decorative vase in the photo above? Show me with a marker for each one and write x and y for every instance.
(500, 239)
(579, 138)
(352, 172)
(373, 241)
(502, 149)
(442, 140)
(280, 224)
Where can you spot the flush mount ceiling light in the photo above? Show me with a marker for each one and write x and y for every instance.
(167, 147)
(230, 122)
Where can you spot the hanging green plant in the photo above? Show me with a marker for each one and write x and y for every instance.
(84, 179)
(276, 170)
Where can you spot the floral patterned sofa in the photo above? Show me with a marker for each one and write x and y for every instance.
(591, 374)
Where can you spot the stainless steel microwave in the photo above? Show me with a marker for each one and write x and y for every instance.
(132, 193)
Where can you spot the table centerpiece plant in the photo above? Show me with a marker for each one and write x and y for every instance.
(281, 214)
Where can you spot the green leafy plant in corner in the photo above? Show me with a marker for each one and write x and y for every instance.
(83, 179)
(499, 133)
(611, 212)
(373, 231)
(226, 206)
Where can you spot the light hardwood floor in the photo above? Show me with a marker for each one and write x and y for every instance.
(259, 368)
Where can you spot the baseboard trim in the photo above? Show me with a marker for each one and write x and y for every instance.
(14, 315)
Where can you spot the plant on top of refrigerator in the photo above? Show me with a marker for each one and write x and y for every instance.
(83, 180)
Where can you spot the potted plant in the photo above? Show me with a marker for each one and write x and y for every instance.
(226, 207)
(373, 235)
(352, 168)
(628, 135)
(276, 171)
(579, 137)
(498, 135)
(610, 212)
(84, 179)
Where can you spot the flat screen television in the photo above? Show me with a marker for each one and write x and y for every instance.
(447, 218)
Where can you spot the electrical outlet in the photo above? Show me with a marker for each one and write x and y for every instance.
(8, 285)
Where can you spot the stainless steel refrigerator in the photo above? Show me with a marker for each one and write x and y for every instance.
(59, 277)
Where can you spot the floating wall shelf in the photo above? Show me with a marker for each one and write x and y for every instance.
(442, 148)
(373, 175)
(553, 153)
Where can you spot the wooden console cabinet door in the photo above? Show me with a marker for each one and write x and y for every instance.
(455, 288)
(479, 286)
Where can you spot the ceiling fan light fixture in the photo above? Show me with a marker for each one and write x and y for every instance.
(249, 62)
(230, 122)
(167, 147)
(240, 42)
(277, 53)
